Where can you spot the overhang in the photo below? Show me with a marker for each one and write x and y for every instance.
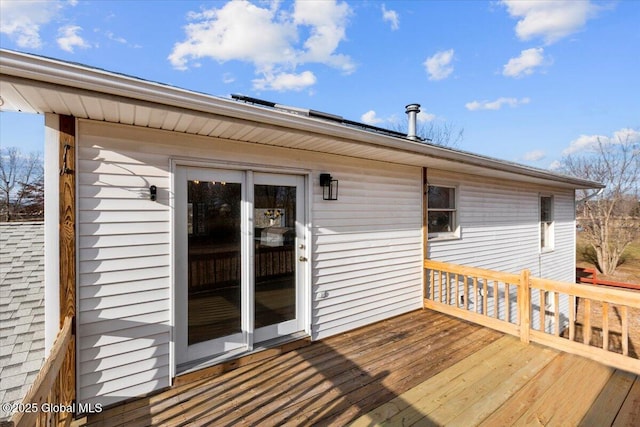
(36, 84)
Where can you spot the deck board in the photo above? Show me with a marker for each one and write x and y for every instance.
(422, 368)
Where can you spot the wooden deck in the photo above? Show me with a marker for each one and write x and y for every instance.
(422, 368)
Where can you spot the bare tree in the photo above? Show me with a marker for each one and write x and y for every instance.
(609, 218)
(21, 185)
(445, 134)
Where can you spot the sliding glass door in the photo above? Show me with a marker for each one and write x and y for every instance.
(239, 263)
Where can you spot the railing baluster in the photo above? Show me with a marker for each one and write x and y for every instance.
(432, 290)
(556, 312)
(543, 309)
(586, 327)
(507, 298)
(572, 317)
(485, 294)
(624, 318)
(605, 326)
(476, 308)
(496, 299)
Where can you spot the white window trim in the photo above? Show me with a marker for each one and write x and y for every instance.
(445, 235)
(550, 235)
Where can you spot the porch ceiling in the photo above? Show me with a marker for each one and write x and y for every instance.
(40, 85)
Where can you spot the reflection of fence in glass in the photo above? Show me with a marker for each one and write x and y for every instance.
(224, 268)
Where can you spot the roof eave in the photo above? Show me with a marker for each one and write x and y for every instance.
(77, 76)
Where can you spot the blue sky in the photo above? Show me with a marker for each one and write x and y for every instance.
(528, 81)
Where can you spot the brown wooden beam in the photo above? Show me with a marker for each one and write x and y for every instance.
(68, 248)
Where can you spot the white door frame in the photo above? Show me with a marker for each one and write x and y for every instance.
(303, 203)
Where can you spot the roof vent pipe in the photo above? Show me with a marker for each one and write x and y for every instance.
(412, 111)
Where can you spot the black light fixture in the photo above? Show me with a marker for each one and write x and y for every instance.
(329, 187)
(153, 193)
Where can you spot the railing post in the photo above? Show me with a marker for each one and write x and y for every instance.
(524, 305)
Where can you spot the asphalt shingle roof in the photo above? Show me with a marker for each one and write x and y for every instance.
(21, 308)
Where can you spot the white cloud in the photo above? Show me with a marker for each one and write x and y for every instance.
(549, 20)
(269, 38)
(524, 64)
(534, 156)
(115, 38)
(556, 165)
(21, 21)
(626, 136)
(424, 117)
(392, 17)
(371, 118)
(328, 22)
(439, 65)
(285, 81)
(495, 105)
(68, 38)
(393, 121)
(591, 142)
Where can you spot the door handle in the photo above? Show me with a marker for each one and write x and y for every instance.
(303, 258)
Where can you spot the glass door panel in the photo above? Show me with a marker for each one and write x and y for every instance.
(279, 249)
(275, 251)
(239, 258)
(214, 259)
(211, 286)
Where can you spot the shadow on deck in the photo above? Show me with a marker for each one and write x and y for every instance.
(421, 368)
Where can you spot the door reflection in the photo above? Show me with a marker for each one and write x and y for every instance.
(214, 259)
(275, 265)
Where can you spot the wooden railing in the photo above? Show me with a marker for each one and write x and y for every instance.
(49, 401)
(590, 275)
(571, 317)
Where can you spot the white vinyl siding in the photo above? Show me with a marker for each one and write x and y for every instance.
(124, 273)
(500, 230)
(366, 247)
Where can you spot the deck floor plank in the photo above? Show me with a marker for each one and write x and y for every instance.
(475, 376)
(441, 403)
(629, 415)
(499, 392)
(569, 398)
(405, 372)
(605, 409)
(347, 376)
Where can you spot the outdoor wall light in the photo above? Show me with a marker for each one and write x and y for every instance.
(153, 193)
(329, 187)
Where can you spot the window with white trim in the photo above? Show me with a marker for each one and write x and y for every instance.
(546, 223)
(441, 211)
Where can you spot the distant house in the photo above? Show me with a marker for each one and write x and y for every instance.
(21, 308)
(199, 229)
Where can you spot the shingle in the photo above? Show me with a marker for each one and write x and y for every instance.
(21, 307)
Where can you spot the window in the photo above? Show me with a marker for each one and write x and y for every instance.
(546, 223)
(441, 212)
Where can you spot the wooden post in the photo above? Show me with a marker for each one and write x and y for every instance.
(524, 305)
(425, 237)
(68, 249)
